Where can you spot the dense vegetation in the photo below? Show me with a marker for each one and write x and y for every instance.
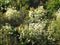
(29, 22)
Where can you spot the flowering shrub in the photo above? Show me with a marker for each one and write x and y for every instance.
(37, 14)
(11, 14)
(13, 17)
(29, 36)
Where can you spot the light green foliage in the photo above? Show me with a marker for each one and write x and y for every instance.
(54, 29)
(58, 23)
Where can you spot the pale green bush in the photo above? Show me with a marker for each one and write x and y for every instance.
(4, 34)
(54, 29)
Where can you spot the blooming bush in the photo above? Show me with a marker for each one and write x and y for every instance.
(37, 14)
(13, 17)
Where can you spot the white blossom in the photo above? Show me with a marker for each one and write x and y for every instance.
(36, 14)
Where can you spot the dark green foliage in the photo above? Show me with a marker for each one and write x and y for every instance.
(52, 5)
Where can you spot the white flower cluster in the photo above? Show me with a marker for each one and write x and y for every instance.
(38, 27)
(11, 13)
(36, 14)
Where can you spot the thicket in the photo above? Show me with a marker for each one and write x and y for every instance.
(29, 22)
